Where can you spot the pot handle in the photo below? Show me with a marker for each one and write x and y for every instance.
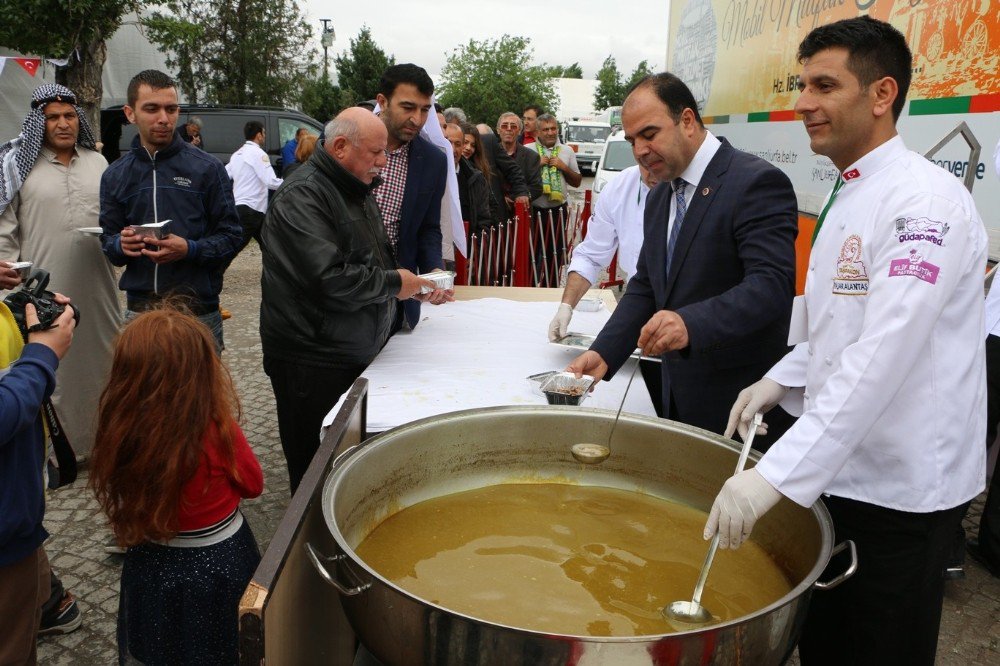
(840, 578)
(317, 561)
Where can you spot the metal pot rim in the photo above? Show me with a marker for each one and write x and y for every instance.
(353, 455)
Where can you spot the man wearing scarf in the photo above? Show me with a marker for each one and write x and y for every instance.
(50, 177)
(558, 170)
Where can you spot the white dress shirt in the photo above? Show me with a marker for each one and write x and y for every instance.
(693, 173)
(894, 401)
(252, 175)
(616, 224)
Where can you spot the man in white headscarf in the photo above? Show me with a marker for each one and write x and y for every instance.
(50, 178)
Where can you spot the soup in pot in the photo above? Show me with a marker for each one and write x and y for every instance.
(566, 559)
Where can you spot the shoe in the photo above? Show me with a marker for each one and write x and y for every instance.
(64, 619)
(226, 314)
(112, 548)
(975, 551)
(954, 573)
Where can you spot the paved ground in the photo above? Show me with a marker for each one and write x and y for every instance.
(970, 632)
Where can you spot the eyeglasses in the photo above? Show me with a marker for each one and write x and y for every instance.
(508, 125)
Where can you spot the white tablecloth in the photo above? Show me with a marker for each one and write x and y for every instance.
(479, 353)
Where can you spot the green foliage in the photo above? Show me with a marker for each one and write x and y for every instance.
(489, 77)
(322, 100)
(610, 90)
(573, 71)
(254, 52)
(360, 67)
(61, 28)
(53, 28)
(641, 71)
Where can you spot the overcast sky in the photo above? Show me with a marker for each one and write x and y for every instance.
(584, 31)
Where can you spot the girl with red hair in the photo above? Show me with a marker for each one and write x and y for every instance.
(169, 467)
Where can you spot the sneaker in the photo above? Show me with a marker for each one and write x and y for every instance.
(112, 548)
(226, 314)
(954, 573)
(63, 619)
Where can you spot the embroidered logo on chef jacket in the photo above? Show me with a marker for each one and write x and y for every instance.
(908, 229)
(182, 181)
(914, 266)
(263, 158)
(852, 276)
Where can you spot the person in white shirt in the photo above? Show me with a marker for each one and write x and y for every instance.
(890, 382)
(252, 174)
(614, 226)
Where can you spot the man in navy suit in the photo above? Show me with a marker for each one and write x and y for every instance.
(712, 294)
(413, 180)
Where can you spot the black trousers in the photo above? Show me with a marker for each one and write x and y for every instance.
(989, 524)
(889, 611)
(304, 395)
(251, 220)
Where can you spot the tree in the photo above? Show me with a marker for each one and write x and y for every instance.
(641, 71)
(360, 67)
(58, 29)
(573, 71)
(489, 77)
(183, 41)
(322, 100)
(610, 91)
(218, 48)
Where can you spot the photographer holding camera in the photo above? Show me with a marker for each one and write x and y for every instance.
(24, 385)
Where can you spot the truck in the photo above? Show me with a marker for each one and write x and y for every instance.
(586, 136)
(739, 59)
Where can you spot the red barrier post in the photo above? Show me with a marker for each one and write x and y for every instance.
(522, 274)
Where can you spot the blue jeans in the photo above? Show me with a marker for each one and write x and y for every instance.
(213, 320)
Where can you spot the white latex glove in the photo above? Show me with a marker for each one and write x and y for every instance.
(559, 325)
(742, 501)
(758, 397)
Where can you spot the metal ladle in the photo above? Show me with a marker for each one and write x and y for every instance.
(594, 454)
(692, 612)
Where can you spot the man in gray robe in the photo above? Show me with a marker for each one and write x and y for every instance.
(50, 177)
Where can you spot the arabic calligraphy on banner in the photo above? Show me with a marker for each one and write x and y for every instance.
(738, 56)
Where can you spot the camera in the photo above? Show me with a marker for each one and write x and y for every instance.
(33, 291)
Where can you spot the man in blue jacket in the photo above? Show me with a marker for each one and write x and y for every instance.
(24, 578)
(413, 179)
(162, 178)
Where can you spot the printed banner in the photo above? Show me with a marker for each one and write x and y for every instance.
(738, 56)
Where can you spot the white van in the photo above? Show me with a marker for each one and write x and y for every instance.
(586, 138)
(617, 157)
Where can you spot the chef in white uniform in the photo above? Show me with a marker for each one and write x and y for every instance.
(890, 382)
(615, 225)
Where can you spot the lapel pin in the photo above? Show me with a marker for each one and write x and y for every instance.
(705, 191)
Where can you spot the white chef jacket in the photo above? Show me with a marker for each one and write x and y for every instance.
(252, 175)
(894, 406)
(616, 224)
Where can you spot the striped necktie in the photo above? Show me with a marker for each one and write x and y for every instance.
(681, 209)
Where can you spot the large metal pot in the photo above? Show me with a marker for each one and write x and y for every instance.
(476, 448)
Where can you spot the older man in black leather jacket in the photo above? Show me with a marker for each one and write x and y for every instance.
(330, 282)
